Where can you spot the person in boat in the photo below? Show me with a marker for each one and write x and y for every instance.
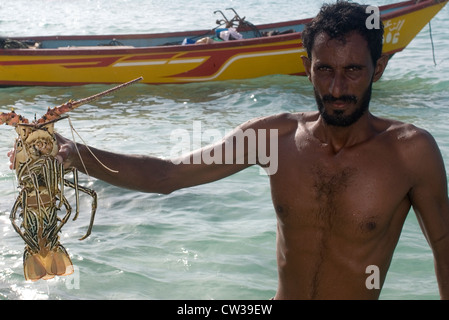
(345, 179)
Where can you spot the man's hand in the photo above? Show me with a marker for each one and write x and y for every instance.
(66, 149)
(11, 155)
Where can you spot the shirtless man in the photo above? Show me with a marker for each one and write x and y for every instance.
(345, 180)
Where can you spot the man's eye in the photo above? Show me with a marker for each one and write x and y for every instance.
(324, 68)
(354, 68)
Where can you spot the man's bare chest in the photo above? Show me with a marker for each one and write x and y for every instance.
(361, 189)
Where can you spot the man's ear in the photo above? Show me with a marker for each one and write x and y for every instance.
(381, 65)
(307, 65)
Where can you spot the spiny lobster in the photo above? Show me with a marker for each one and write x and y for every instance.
(41, 182)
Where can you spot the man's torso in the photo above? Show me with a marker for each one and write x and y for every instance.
(338, 212)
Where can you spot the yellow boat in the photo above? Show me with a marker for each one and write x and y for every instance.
(179, 57)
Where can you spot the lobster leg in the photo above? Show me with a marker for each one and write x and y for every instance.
(77, 193)
(21, 201)
(93, 194)
(53, 174)
(64, 220)
(49, 177)
(90, 192)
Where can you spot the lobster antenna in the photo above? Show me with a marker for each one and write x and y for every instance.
(77, 103)
(56, 112)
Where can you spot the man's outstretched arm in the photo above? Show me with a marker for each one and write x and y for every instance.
(150, 174)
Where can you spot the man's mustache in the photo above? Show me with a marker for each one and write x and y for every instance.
(343, 98)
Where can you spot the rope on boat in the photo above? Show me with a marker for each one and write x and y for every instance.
(431, 41)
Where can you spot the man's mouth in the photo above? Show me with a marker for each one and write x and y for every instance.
(340, 102)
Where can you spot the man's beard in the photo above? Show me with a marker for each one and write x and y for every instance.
(337, 118)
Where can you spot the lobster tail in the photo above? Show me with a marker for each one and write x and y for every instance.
(56, 263)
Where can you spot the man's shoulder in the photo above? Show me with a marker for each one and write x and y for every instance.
(285, 119)
(410, 138)
(406, 132)
(282, 122)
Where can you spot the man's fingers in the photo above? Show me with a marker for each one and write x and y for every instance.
(11, 154)
(59, 158)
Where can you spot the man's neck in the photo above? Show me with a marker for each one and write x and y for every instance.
(338, 138)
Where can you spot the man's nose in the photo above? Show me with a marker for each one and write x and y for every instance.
(338, 85)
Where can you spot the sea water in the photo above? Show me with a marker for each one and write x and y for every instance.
(215, 241)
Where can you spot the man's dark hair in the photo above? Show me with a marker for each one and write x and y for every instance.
(339, 19)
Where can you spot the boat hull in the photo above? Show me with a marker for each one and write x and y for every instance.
(73, 63)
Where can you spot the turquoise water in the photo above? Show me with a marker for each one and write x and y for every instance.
(209, 242)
